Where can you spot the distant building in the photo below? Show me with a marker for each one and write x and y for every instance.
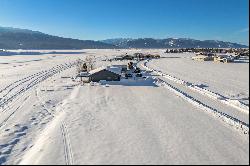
(203, 58)
(224, 58)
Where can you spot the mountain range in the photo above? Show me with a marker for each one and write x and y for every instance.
(171, 43)
(14, 38)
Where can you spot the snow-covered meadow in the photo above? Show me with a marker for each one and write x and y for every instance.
(183, 112)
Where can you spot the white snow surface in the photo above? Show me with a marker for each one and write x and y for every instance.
(47, 118)
(231, 80)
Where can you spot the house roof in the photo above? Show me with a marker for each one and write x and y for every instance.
(97, 70)
(114, 69)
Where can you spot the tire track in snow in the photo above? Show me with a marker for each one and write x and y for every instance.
(43, 105)
(34, 82)
(68, 155)
(14, 84)
(29, 82)
(229, 120)
(7, 118)
(215, 96)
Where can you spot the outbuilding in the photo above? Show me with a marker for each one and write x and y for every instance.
(224, 58)
(202, 58)
(107, 74)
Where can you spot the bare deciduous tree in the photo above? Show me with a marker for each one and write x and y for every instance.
(89, 63)
(79, 66)
(85, 65)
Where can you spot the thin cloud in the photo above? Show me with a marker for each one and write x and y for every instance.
(244, 30)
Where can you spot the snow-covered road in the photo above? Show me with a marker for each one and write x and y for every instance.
(204, 99)
(134, 125)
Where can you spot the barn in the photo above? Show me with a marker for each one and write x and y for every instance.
(105, 73)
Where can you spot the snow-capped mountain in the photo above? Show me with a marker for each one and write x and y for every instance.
(171, 43)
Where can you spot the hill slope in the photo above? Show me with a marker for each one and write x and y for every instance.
(13, 38)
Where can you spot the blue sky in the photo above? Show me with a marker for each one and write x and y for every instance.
(100, 19)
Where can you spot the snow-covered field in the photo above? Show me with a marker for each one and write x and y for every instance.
(230, 80)
(183, 112)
